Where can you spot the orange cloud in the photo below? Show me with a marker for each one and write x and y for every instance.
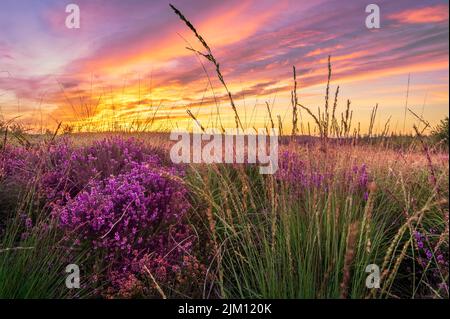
(159, 48)
(324, 51)
(431, 14)
(347, 57)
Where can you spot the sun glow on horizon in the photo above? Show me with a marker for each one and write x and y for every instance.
(133, 72)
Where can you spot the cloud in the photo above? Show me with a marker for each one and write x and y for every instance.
(126, 60)
(433, 14)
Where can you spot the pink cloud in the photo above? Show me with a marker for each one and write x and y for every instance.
(433, 14)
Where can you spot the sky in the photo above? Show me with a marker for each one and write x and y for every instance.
(127, 66)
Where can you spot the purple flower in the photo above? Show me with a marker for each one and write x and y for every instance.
(417, 235)
(70, 169)
(366, 196)
(28, 223)
(139, 213)
(303, 175)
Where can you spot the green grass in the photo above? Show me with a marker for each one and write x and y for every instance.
(273, 243)
(33, 266)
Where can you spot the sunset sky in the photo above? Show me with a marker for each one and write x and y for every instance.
(128, 62)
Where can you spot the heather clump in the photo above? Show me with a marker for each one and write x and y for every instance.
(116, 204)
(69, 169)
(18, 164)
(134, 227)
(16, 174)
(301, 175)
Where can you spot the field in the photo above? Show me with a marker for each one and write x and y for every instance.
(348, 214)
(139, 226)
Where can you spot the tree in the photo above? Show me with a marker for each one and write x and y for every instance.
(440, 133)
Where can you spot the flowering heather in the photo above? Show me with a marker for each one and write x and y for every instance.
(15, 175)
(117, 200)
(301, 175)
(69, 169)
(14, 162)
(431, 257)
(297, 173)
(135, 220)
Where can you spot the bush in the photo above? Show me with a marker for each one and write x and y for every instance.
(69, 169)
(441, 132)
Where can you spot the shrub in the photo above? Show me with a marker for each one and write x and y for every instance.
(441, 132)
(134, 225)
(69, 169)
